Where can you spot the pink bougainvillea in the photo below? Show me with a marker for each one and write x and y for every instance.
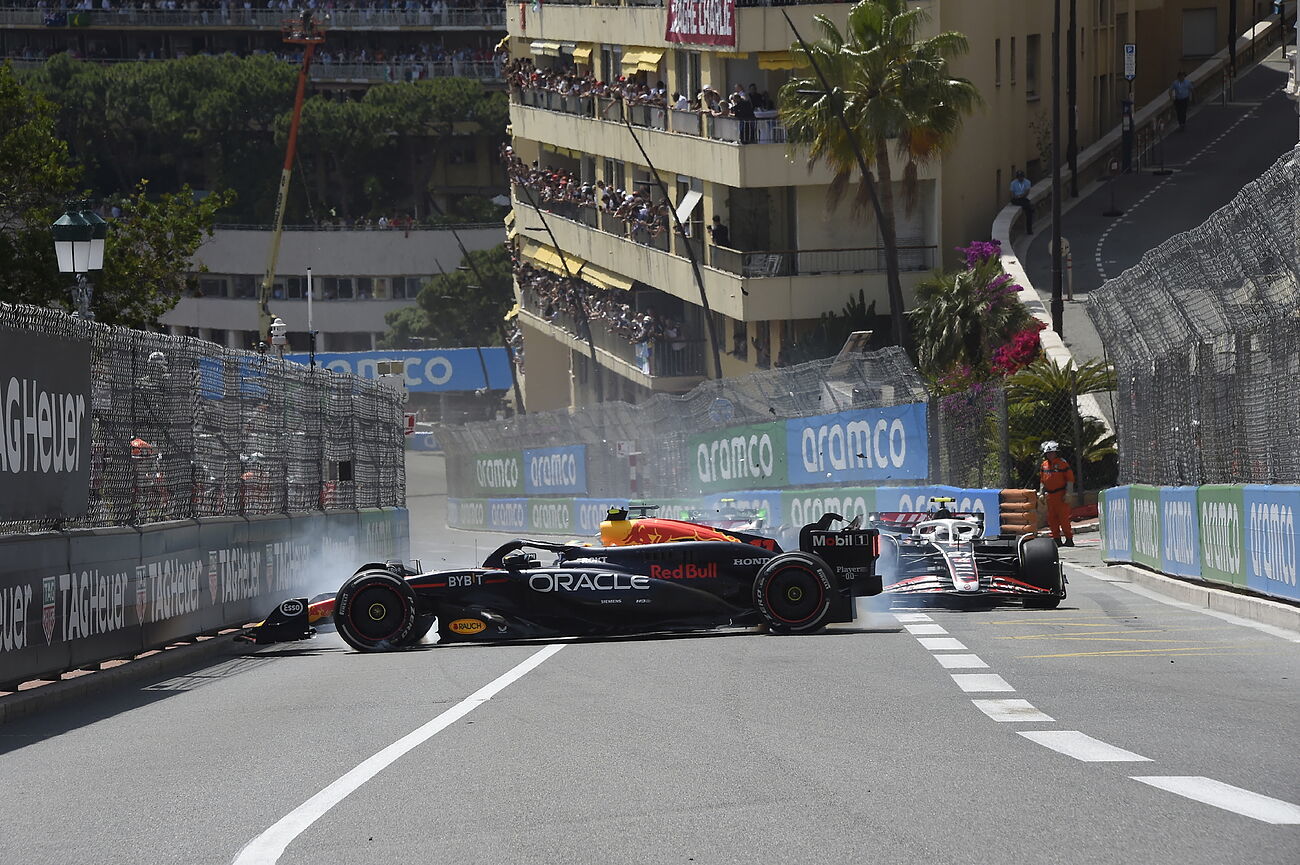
(980, 251)
(1018, 352)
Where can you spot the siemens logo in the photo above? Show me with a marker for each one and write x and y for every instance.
(1272, 542)
(497, 474)
(1180, 532)
(738, 457)
(857, 444)
(1221, 536)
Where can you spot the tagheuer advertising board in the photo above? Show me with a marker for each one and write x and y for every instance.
(45, 408)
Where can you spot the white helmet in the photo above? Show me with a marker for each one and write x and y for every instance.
(1049, 446)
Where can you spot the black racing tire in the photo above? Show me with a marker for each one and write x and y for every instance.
(423, 625)
(793, 592)
(1040, 565)
(375, 611)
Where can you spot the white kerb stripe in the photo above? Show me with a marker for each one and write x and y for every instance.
(974, 682)
(960, 662)
(918, 630)
(937, 643)
(1012, 710)
(267, 848)
(1229, 798)
(1083, 747)
(912, 617)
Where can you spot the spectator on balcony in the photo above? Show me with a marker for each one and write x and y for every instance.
(760, 101)
(718, 232)
(743, 111)
(681, 103)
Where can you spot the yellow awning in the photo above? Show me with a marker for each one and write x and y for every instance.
(504, 43)
(602, 278)
(512, 312)
(732, 55)
(562, 151)
(582, 54)
(649, 60)
(547, 258)
(631, 57)
(779, 60)
(511, 230)
(549, 49)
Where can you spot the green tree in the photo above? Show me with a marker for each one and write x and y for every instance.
(1042, 402)
(892, 88)
(453, 310)
(35, 179)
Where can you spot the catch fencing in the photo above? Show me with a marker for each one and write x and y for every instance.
(868, 419)
(180, 428)
(1203, 333)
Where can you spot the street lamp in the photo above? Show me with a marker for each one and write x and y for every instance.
(79, 237)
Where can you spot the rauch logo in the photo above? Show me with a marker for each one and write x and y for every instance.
(1221, 536)
(1272, 542)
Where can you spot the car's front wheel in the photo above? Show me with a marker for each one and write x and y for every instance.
(793, 592)
(375, 611)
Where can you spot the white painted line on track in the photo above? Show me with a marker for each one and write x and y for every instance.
(1012, 710)
(1229, 798)
(973, 683)
(918, 630)
(913, 617)
(960, 662)
(1272, 630)
(267, 848)
(935, 644)
(1081, 746)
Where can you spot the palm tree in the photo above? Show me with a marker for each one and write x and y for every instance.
(890, 87)
(960, 317)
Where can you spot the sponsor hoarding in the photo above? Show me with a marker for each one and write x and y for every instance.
(804, 506)
(499, 474)
(589, 513)
(913, 499)
(1271, 558)
(1115, 524)
(1144, 517)
(701, 22)
(879, 444)
(429, 370)
(555, 470)
(737, 458)
(1220, 517)
(45, 409)
(467, 513)
(1180, 546)
(507, 515)
(550, 515)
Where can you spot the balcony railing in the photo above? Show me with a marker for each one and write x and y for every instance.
(739, 3)
(763, 130)
(665, 356)
(913, 253)
(491, 17)
(370, 73)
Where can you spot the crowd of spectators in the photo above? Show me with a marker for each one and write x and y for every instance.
(741, 102)
(647, 217)
(553, 295)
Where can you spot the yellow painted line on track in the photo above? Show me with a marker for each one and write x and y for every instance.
(1189, 651)
(1054, 635)
(1101, 639)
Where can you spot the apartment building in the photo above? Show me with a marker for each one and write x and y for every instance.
(787, 259)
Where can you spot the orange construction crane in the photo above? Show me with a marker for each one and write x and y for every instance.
(306, 32)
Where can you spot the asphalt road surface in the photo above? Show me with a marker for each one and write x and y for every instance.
(1119, 728)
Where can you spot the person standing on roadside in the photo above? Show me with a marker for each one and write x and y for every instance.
(1181, 91)
(1055, 480)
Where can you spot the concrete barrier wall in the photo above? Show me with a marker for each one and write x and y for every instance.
(1242, 536)
(74, 599)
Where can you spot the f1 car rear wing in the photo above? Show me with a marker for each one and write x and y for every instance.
(905, 521)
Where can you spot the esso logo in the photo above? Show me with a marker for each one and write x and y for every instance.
(292, 608)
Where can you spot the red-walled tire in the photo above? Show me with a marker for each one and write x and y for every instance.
(375, 611)
(793, 592)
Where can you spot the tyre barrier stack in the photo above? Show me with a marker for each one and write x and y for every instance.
(1019, 511)
(75, 599)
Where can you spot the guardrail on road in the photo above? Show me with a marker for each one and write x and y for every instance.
(75, 599)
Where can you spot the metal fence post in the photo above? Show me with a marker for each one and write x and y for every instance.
(1077, 424)
(1004, 440)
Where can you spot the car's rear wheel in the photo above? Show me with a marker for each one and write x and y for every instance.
(1040, 565)
(793, 592)
(375, 611)
(423, 625)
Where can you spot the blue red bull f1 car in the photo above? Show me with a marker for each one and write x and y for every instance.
(649, 575)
